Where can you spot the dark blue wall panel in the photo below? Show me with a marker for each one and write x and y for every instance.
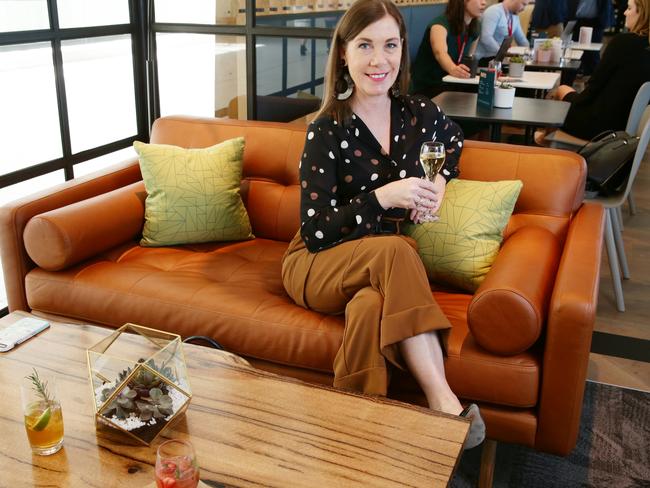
(417, 19)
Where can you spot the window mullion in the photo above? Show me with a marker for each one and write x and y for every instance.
(64, 122)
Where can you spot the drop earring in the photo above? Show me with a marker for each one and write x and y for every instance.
(344, 87)
(344, 95)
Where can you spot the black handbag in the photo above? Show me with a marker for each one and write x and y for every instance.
(609, 158)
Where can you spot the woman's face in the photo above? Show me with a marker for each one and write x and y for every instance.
(474, 8)
(373, 58)
(631, 14)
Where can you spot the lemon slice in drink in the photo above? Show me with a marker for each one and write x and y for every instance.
(43, 420)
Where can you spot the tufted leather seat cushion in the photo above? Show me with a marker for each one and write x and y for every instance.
(233, 292)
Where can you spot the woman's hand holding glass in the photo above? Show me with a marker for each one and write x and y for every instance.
(423, 213)
(410, 193)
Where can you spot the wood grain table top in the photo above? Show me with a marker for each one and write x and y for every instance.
(248, 427)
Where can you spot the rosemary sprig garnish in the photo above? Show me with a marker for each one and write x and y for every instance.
(40, 387)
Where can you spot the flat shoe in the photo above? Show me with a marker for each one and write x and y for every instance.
(476, 433)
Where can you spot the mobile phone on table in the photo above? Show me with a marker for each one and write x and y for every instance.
(20, 331)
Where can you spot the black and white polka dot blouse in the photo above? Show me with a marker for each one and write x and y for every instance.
(342, 164)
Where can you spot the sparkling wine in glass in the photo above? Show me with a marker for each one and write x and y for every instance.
(432, 159)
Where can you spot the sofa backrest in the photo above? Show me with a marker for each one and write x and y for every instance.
(271, 156)
(553, 179)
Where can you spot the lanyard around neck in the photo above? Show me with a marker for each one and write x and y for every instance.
(508, 19)
(461, 47)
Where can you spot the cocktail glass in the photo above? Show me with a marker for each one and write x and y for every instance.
(176, 465)
(42, 413)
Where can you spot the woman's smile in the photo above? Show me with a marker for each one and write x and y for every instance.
(378, 76)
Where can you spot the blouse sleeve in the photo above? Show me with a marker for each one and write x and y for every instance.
(327, 220)
(448, 132)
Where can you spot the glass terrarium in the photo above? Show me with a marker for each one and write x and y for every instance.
(139, 380)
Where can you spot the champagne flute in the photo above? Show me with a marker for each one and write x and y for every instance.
(432, 159)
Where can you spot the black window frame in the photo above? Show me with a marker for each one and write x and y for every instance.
(55, 36)
(143, 29)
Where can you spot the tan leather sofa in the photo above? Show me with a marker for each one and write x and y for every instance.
(519, 346)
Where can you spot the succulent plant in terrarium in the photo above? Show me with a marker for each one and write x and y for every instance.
(122, 405)
(144, 380)
(156, 405)
(139, 381)
(145, 396)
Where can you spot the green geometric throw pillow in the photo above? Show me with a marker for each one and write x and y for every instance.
(193, 194)
(459, 249)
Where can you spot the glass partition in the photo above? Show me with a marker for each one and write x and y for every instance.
(202, 74)
(20, 15)
(97, 164)
(289, 83)
(209, 12)
(33, 185)
(30, 115)
(86, 13)
(99, 86)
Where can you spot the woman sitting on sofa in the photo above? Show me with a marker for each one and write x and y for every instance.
(446, 40)
(360, 175)
(606, 101)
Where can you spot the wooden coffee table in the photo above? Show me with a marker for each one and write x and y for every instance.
(249, 427)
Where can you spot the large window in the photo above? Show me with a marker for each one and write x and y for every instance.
(80, 80)
(71, 90)
(29, 106)
(204, 83)
(236, 58)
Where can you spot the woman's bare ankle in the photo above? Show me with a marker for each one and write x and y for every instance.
(447, 404)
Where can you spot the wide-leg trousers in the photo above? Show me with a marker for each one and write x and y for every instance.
(380, 283)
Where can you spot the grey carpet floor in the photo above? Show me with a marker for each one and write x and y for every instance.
(613, 449)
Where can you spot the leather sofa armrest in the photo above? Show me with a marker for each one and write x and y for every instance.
(508, 311)
(15, 215)
(572, 314)
(65, 236)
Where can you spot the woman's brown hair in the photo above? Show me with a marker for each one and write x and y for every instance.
(642, 26)
(358, 17)
(455, 13)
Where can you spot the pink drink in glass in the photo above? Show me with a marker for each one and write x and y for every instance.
(176, 465)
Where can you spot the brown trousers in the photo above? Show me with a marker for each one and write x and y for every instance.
(381, 285)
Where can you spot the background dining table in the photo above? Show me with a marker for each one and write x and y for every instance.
(527, 112)
(539, 81)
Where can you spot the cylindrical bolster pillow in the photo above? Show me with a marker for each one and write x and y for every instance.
(67, 235)
(509, 308)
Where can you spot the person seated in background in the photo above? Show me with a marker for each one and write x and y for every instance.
(549, 17)
(500, 21)
(597, 14)
(606, 101)
(446, 40)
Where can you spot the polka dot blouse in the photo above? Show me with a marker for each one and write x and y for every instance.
(342, 164)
